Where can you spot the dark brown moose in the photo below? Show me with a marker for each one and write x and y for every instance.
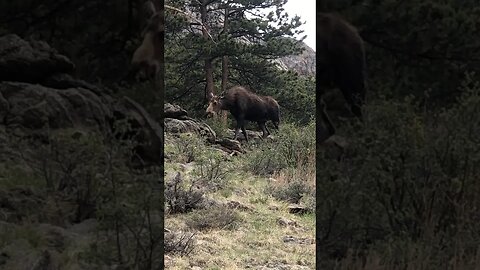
(246, 106)
(341, 62)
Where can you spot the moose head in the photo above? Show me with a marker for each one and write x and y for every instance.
(215, 104)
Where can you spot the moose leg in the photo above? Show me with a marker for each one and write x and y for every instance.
(275, 125)
(264, 129)
(241, 124)
(237, 130)
(268, 131)
(244, 132)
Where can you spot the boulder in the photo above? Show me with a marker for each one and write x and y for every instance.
(35, 107)
(190, 125)
(174, 111)
(298, 209)
(229, 146)
(38, 97)
(65, 81)
(252, 135)
(29, 61)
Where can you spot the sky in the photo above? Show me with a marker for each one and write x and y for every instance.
(306, 10)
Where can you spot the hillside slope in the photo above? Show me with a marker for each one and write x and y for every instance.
(238, 209)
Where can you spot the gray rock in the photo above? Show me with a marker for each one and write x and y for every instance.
(297, 240)
(4, 107)
(29, 61)
(304, 63)
(286, 222)
(173, 125)
(174, 111)
(229, 145)
(252, 135)
(298, 209)
(62, 102)
(36, 107)
(65, 81)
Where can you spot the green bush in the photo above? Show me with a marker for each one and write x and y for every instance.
(212, 170)
(217, 217)
(217, 126)
(293, 146)
(291, 192)
(188, 147)
(408, 174)
(182, 195)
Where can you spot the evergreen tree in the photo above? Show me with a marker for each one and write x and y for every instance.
(235, 43)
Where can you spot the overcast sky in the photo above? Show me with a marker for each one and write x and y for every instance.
(306, 10)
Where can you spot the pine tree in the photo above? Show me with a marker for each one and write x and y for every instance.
(227, 42)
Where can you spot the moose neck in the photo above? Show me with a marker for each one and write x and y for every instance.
(223, 104)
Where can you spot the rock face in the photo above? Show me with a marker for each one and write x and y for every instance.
(37, 95)
(39, 98)
(177, 121)
(33, 61)
(174, 111)
(304, 64)
(37, 107)
(173, 125)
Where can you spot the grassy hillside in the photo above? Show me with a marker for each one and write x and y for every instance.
(236, 208)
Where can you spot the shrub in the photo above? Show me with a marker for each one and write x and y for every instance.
(292, 147)
(179, 243)
(217, 217)
(188, 147)
(408, 174)
(182, 195)
(217, 126)
(291, 192)
(211, 170)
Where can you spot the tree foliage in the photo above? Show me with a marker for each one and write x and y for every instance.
(416, 46)
(402, 196)
(251, 41)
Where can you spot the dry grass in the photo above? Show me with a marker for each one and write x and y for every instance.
(258, 239)
(305, 171)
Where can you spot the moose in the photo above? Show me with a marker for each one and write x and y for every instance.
(245, 105)
(341, 62)
(149, 55)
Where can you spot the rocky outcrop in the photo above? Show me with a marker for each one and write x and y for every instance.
(174, 111)
(33, 61)
(173, 125)
(304, 64)
(35, 107)
(39, 99)
(177, 121)
(38, 96)
(230, 146)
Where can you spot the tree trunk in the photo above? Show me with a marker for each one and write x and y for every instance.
(208, 60)
(225, 67)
